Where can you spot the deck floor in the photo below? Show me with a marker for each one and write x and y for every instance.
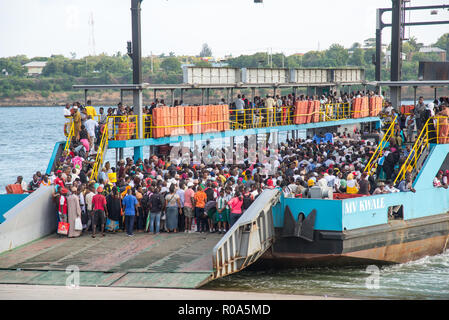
(167, 260)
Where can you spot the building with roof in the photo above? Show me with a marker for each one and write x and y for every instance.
(439, 51)
(35, 67)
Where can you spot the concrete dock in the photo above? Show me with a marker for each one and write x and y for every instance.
(38, 292)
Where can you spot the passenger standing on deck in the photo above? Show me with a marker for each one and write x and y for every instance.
(61, 203)
(90, 110)
(73, 212)
(443, 123)
(173, 208)
(410, 125)
(188, 206)
(130, 204)
(68, 117)
(114, 209)
(235, 205)
(100, 211)
(239, 107)
(91, 127)
(200, 198)
(222, 212)
(269, 107)
(156, 205)
(419, 111)
(76, 122)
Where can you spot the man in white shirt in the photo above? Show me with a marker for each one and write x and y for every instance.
(269, 105)
(239, 107)
(91, 125)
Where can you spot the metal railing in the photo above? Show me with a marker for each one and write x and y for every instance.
(248, 238)
(372, 164)
(100, 154)
(70, 136)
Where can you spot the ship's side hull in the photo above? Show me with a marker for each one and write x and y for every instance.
(396, 242)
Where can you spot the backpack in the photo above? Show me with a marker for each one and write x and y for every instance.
(145, 202)
(156, 203)
(247, 201)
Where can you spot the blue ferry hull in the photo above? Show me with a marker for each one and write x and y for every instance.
(395, 242)
(359, 231)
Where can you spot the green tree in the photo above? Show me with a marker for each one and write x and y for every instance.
(357, 58)
(337, 56)
(443, 43)
(294, 61)
(171, 64)
(313, 59)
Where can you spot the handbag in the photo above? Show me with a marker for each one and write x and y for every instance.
(63, 228)
(78, 224)
(111, 225)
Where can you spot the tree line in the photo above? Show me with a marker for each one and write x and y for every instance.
(60, 72)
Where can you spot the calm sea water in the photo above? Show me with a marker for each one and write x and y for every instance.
(27, 138)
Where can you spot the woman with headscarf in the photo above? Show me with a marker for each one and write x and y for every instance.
(74, 212)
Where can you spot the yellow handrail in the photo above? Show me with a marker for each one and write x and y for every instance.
(70, 136)
(419, 146)
(386, 138)
(100, 154)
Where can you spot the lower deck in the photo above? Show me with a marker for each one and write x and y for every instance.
(167, 260)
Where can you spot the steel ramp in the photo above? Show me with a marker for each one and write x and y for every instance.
(167, 260)
(248, 238)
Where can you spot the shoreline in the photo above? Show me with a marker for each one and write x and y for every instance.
(43, 292)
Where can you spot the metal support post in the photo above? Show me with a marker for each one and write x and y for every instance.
(396, 56)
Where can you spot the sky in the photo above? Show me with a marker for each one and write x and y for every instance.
(46, 27)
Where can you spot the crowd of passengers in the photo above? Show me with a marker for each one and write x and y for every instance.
(160, 194)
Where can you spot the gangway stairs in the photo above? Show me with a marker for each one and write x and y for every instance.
(166, 260)
(420, 150)
(384, 143)
(101, 153)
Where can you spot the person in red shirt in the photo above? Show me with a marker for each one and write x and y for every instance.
(100, 211)
(62, 204)
(59, 181)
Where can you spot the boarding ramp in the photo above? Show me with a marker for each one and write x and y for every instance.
(166, 260)
(248, 238)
